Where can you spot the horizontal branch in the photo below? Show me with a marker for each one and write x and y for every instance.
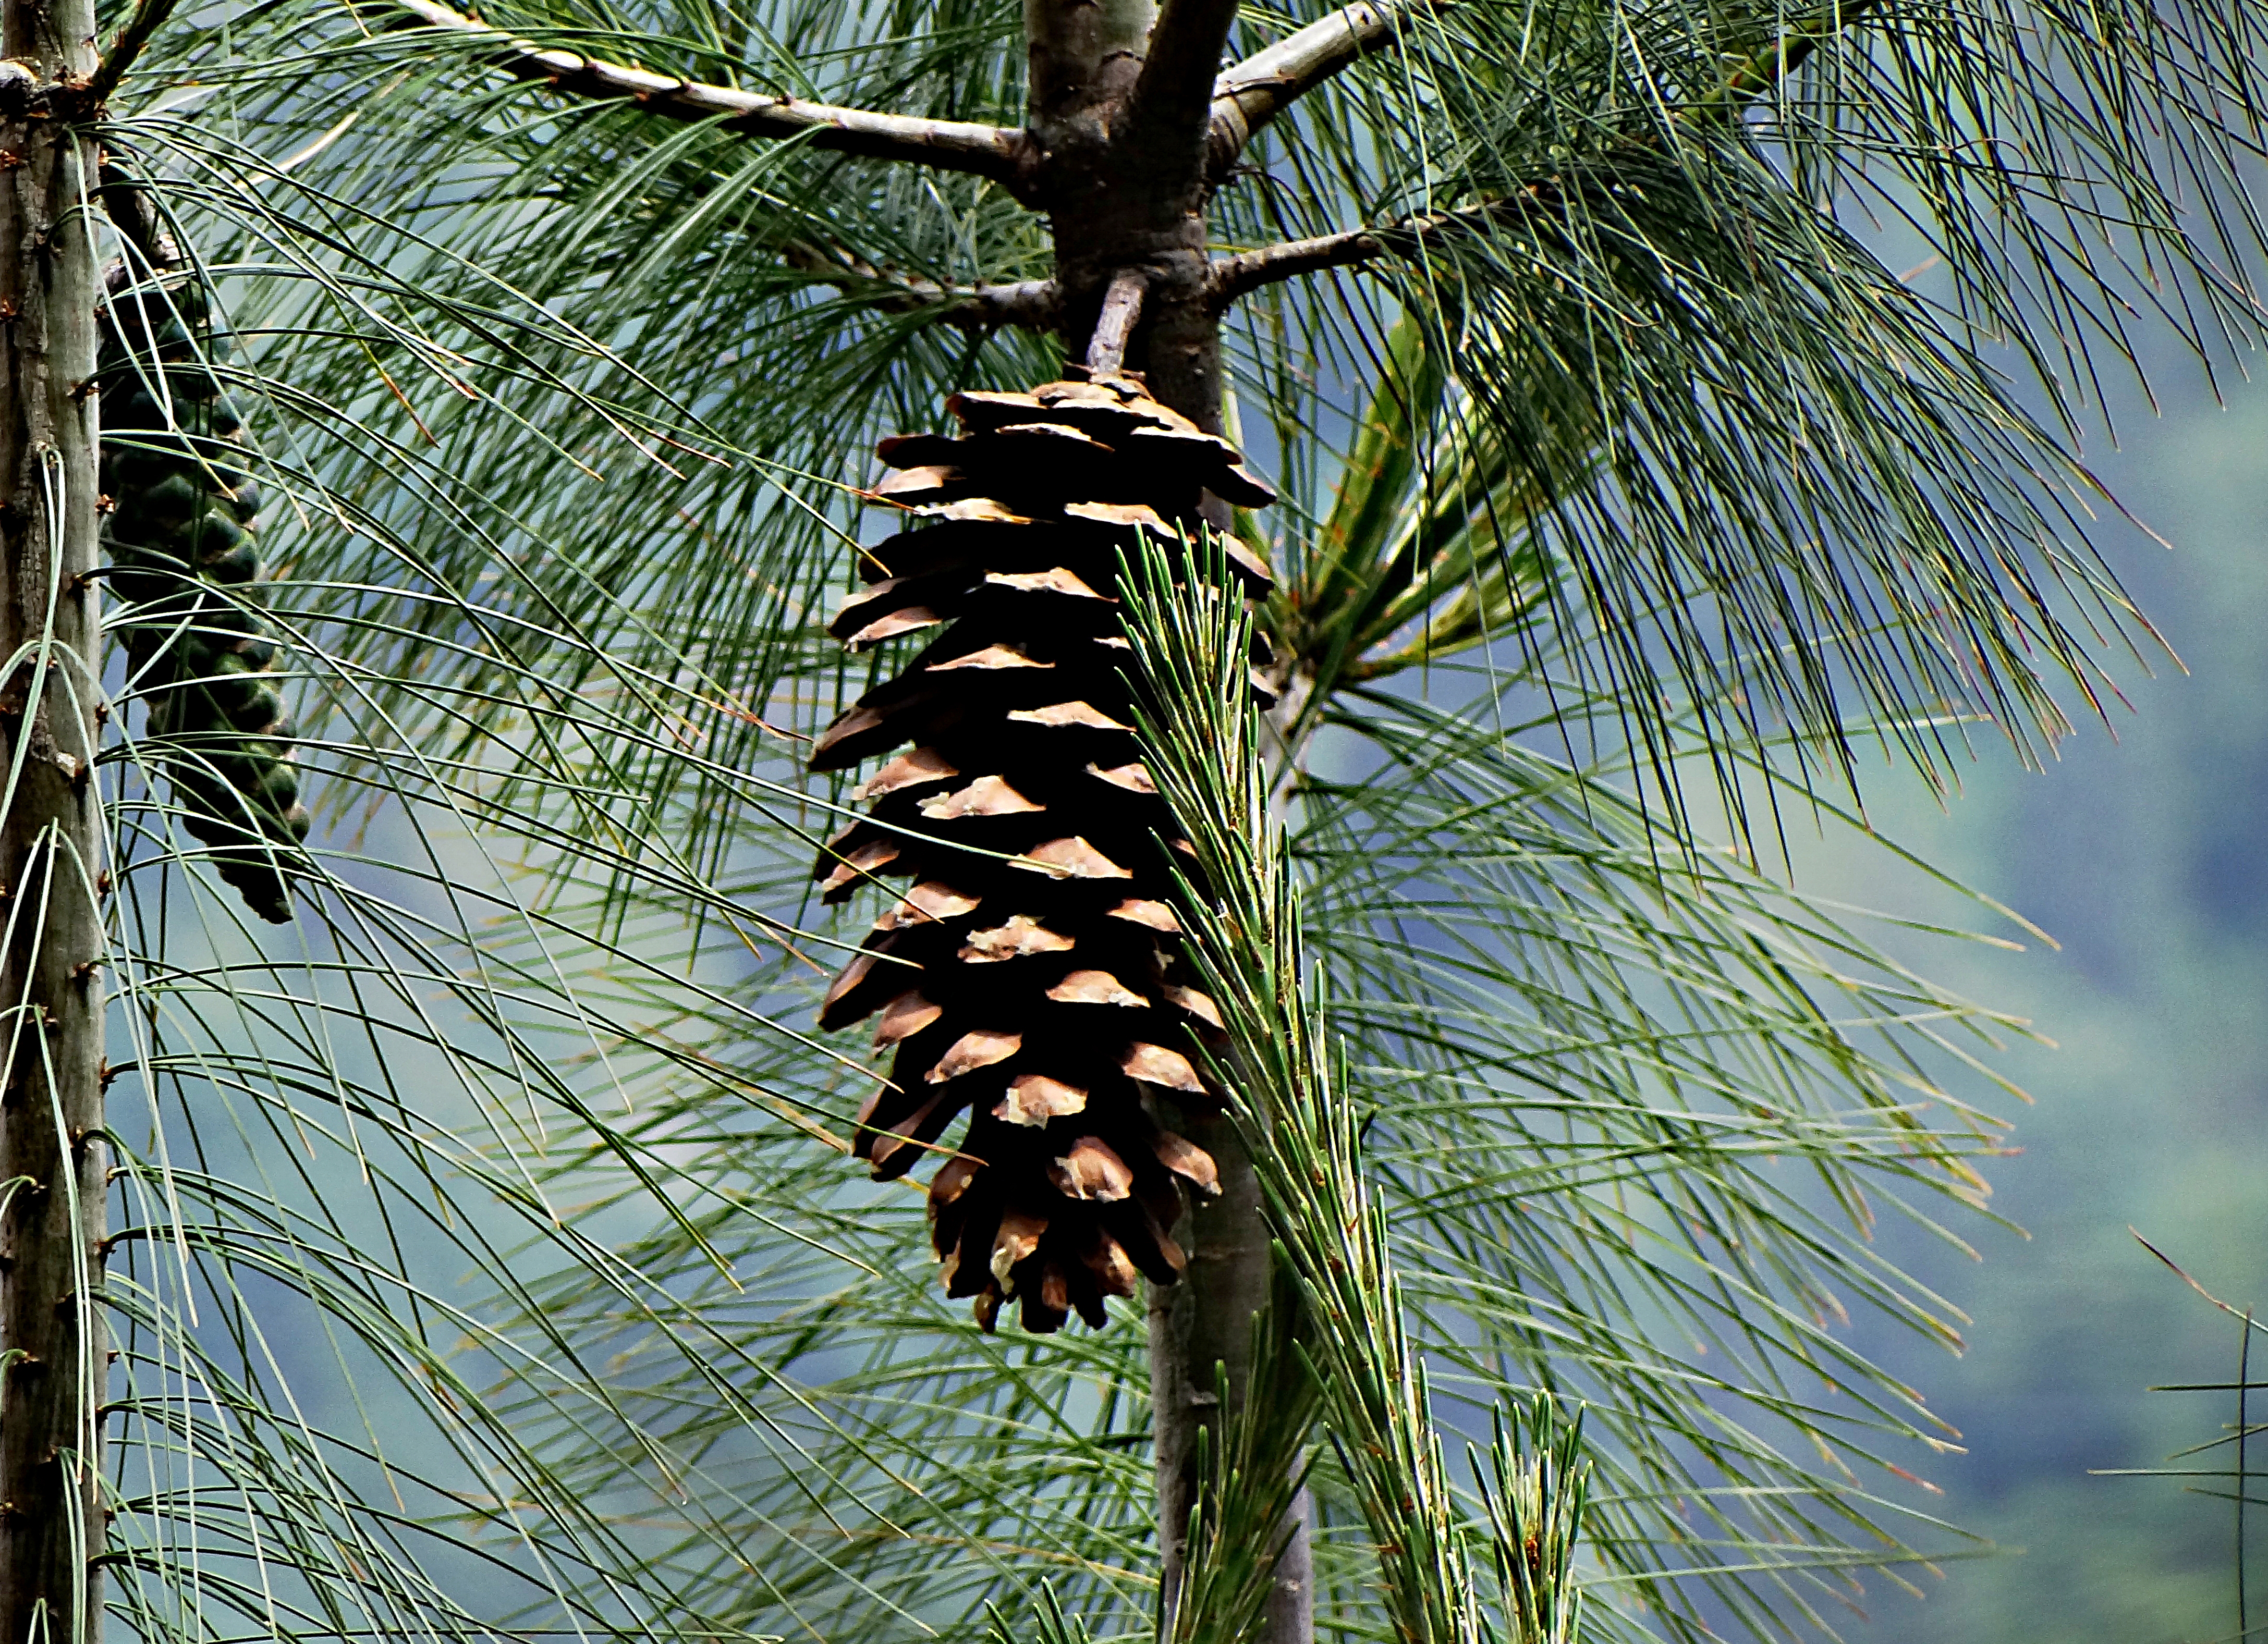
(1030, 304)
(1247, 97)
(955, 145)
(1231, 278)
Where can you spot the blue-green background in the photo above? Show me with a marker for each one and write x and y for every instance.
(2147, 858)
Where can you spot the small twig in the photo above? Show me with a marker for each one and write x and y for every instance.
(1121, 306)
(1786, 55)
(149, 17)
(958, 145)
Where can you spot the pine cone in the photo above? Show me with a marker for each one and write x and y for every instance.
(181, 522)
(1028, 976)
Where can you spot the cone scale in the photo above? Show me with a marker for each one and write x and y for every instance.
(1026, 975)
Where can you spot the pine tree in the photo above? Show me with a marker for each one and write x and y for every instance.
(1653, 458)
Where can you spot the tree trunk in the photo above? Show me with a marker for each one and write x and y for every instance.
(1204, 1320)
(54, 1159)
(1121, 96)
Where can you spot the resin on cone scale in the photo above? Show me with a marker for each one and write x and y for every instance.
(1025, 972)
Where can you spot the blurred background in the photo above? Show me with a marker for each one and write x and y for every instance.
(2147, 859)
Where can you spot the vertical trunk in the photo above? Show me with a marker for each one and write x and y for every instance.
(1206, 1319)
(54, 1163)
(1123, 142)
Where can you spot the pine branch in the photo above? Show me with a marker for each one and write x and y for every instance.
(954, 145)
(1284, 71)
(1264, 84)
(1168, 108)
(1291, 1098)
(1122, 307)
(1029, 305)
(149, 17)
(1231, 278)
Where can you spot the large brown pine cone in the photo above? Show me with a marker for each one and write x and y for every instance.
(1030, 974)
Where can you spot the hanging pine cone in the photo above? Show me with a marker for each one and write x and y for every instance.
(1028, 976)
(180, 530)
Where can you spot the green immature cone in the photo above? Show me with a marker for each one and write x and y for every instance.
(185, 564)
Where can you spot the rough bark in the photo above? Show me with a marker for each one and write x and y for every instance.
(53, 1159)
